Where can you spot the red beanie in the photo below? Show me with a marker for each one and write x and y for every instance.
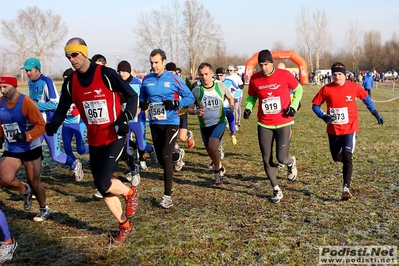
(9, 80)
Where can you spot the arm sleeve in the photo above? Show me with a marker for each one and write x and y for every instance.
(369, 103)
(30, 110)
(64, 104)
(317, 110)
(52, 98)
(298, 91)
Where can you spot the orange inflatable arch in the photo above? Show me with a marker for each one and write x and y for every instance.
(279, 54)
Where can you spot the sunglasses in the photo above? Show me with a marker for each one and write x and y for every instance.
(219, 75)
(230, 70)
(72, 55)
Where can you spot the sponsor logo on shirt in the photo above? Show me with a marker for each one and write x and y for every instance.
(98, 93)
(348, 98)
(270, 86)
(166, 84)
(150, 84)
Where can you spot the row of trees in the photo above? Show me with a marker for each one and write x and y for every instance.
(186, 31)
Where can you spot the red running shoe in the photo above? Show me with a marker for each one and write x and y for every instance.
(131, 203)
(124, 231)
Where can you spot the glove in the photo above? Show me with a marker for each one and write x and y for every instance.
(123, 125)
(144, 106)
(20, 137)
(51, 128)
(171, 105)
(247, 113)
(328, 118)
(1, 142)
(290, 111)
(379, 118)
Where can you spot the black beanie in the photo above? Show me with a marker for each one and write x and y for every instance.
(67, 72)
(170, 66)
(265, 55)
(124, 66)
(220, 70)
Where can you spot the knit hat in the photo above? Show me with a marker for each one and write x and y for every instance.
(67, 72)
(31, 63)
(124, 66)
(220, 70)
(170, 66)
(265, 55)
(9, 80)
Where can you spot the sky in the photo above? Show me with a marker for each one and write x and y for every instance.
(247, 26)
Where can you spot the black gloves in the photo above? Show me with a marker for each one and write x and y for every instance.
(290, 111)
(247, 113)
(379, 118)
(144, 106)
(171, 105)
(1, 142)
(122, 125)
(51, 128)
(328, 118)
(20, 137)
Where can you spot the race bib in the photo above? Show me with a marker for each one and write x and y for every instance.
(10, 130)
(271, 105)
(157, 111)
(340, 115)
(211, 103)
(96, 112)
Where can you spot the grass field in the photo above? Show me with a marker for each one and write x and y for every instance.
(235, 224)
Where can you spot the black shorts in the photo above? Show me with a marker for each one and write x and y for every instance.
(184, 121)
(31, 155)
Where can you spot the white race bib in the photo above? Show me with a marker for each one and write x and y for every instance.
(157, 111)
(96, 112)
(271, 105)
(211, 103)
(10, 130)
(340, 114)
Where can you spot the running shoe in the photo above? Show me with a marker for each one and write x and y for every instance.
(124, 231)
(143, 165)
(42, 215)
(78, 170)
(292, 172)
(166, 202)
(7, 250)
(346, 194)
(27, 197)
(131, 203)
(179, 163)
(134, 176)
(277, 196)
(234, 139)
(190, 140)
(97, 195)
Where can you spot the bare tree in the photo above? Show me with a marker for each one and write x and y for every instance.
(185, 32)
(321, 36)
(34, 32)
(353, 34)
(373, 49)
(304, 35)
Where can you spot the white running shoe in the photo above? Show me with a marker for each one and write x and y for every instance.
(277, 196)
(78, 170)
(134, 176)
(292, 172)
(143, 165)
(7, 250)
(346, 194)
(166, 202)
(97, 195)
(42, 215)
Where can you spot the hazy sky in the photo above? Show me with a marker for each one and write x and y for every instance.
(248, 26)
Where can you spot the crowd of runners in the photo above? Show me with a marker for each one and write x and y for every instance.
(108, 112)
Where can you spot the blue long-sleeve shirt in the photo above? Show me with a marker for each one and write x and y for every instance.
(168, 86)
